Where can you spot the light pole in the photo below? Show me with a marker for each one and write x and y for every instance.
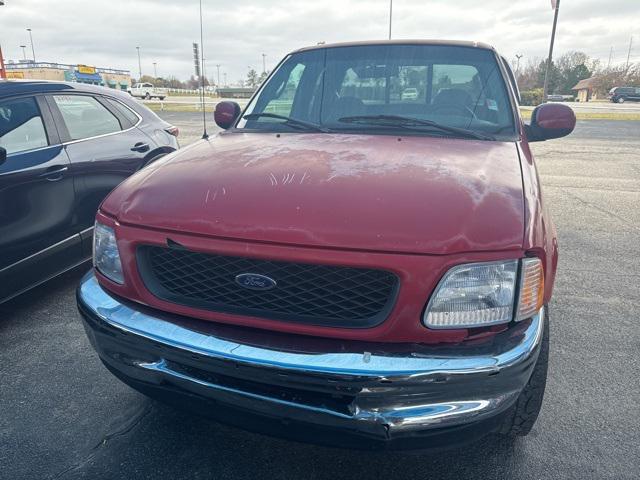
(390, 16)
(225, 78)
(33, 50)
(518, 56)
(556, 6)
(2, 71)
(139, 65)
(626, 67)
(218, 67)
(204, 70)
(155, 70)
(24, 51)
(264, 64)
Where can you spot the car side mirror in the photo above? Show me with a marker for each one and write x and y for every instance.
(550, 120)
(3, 155)
(226, 114)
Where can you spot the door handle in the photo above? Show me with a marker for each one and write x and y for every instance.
(54, 173)
(140, 147)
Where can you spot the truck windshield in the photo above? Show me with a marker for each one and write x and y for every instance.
(368, 88)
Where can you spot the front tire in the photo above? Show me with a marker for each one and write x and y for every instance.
(621, 100)
(523, 415)
(147, 96)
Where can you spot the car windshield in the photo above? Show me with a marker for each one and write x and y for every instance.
(385, 88)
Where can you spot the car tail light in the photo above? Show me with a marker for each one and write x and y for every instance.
(175, 131)
(531, 288)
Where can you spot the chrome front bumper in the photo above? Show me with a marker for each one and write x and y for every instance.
(379, 391)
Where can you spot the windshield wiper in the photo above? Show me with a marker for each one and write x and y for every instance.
(412, 123)
(287, 121)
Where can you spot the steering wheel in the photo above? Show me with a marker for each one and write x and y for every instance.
(453, 107)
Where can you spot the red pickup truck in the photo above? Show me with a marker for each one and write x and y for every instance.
(343, 264)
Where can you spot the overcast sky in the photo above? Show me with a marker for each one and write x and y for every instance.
(105, 33)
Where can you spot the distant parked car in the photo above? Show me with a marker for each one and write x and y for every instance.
(623, 94)
(410, 94)
(560, 98)
(148, 91)
(63, 148)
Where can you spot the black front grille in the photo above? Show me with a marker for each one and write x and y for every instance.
(305, 293)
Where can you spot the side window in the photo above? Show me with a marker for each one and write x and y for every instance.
(21, 126)
(131, 118)
(283, 103)
(85, 117)
(512, 78)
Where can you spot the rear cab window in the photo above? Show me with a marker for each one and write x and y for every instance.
(21, 126)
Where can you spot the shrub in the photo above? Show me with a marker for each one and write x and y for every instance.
(532, 97)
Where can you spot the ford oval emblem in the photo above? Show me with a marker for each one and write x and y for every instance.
(255, 281)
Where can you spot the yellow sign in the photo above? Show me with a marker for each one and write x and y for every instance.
(11, 74)
(86, 69)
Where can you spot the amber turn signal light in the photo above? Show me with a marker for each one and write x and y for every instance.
(531, 288)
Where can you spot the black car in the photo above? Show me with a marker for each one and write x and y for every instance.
(63, 148)
(624, 94)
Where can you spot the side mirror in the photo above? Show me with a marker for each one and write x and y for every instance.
(226, 114)
(3, 155)
(550, 120)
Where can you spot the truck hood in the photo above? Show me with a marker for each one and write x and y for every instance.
(408, 194)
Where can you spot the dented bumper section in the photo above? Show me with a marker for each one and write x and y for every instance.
(341, 393)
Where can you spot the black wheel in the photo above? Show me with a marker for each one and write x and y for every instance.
(621, 100)
(147, 96)
(161, 98)
(522, 416)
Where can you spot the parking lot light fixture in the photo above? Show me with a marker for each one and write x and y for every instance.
(33, 50)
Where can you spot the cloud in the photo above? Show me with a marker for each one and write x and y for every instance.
(237, 32)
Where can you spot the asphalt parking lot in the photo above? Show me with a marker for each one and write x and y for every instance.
(63, 416)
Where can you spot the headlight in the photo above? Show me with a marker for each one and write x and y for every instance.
(481, 294)
(106, 258)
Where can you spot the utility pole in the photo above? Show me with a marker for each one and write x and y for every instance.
(264, 64)
(556, 5)
(629, 53)
(139, 65)
(390, 16)
(518, 56)
(33, 50)
(225, 78)
(218, 68)
(155, 70)
(24, 51)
